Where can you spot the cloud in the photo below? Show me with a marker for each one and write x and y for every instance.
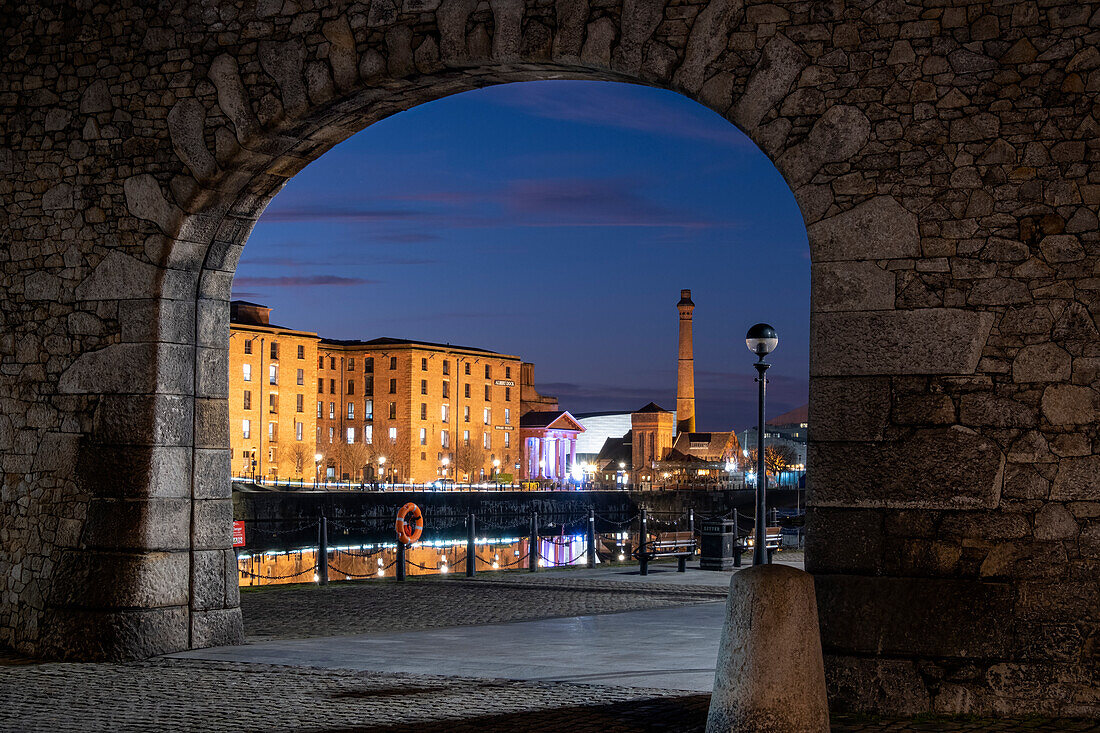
(624, 109)
(302, 281)
(246, 295)
(406, 237)
(326, 212)
(298, 262)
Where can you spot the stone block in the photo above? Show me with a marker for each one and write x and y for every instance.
(779, 66)
(852, 408)
(984, 409)
(210, 377)
(1071, 404)
(851, 286)
(134, 472)
(143, 420)
(103, 635)
(208, 579)
(1055, 522)
(932, 617)
(927, 341)
(211, 423)
(844, 540)
(213, 323)
(125, 369)
(889, 686)
(138, 524)
(213, 524)
(89, 579)
(216, 628)
(213, 474)
(911, 473)
(877, 229)
(1042, 363)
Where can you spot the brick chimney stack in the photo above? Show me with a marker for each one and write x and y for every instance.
(685, 376)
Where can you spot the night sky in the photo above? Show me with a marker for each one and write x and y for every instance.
(556, 221)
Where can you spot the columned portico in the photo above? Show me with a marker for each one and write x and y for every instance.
(550, 441)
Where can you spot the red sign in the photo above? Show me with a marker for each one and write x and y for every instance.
(238, 534)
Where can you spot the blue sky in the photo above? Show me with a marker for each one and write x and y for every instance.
(556, 221)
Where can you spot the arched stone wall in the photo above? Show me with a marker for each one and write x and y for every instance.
(944, 159)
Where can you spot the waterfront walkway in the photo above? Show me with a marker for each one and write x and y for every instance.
(573, 650)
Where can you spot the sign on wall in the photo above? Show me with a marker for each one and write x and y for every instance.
(238, 534)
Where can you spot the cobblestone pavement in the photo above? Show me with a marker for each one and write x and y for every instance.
(188, 695)
(345, 608)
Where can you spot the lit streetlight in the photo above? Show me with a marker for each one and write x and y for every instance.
(382, 471)
(317, 458)
(761, 340)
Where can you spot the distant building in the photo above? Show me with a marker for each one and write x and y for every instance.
(791, 429)
(549, 445)
(403, 410)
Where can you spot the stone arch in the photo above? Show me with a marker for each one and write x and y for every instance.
(953, 242)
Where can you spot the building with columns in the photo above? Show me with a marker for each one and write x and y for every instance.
(549, 445)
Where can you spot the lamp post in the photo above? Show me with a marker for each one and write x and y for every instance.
(317, 461)
(496, 468)
(382, 472)
(446, 460)
(761, 340)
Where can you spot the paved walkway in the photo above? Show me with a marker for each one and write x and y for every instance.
(526, 628)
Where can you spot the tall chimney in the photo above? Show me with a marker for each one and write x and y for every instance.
(685, 376)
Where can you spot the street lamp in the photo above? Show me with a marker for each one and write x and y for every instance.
(317, 460)
(761, 340)
(382, 471)
(496, 468)
(446, 460)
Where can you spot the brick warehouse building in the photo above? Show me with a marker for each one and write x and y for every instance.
(391, 409)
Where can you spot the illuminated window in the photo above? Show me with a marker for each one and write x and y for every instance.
(320, 407)
(272, 428)
(486, 441)
(393, 435)
(246, 428)
(351, 411)
(507, 416)
(332, 411)
(487, 415)
(351, 435)
(298, 428)
(444, 439)
(368, 434)
(466, 437)
(443, 412)
(466, 413)
(423, 436)
(331, 434)
(247, 369)
(247, 400)
(273, 373)
(368, 410)
(507, 440)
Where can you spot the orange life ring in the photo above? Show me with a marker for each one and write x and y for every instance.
(410, 523)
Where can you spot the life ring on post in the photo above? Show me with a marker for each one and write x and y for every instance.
(410, 523)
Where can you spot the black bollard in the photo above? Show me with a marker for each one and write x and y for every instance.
(471, 550)
(736, 541)
(643, 539)
(322, 551)
(400, 560)
(533, 544)
(591, 551)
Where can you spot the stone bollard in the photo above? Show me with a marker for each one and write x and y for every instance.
(770, 676)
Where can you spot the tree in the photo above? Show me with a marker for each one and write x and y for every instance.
(300, 455)
(355, 457)
(777, 458)
(398, 455)
(469, 460)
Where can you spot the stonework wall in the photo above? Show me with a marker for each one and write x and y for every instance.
(944, 156)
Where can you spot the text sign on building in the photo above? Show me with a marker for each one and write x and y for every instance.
(238, 534)
(504, 427)
(504, 383)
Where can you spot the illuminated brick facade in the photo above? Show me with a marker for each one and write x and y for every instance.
(272, 374)
(393, 409)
